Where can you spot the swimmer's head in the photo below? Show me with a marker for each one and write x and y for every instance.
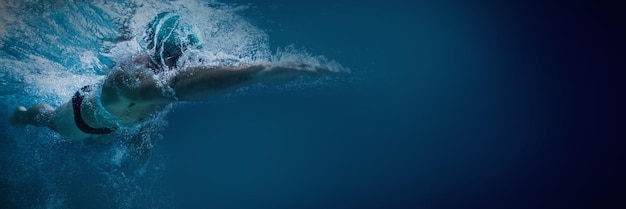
(167, 37)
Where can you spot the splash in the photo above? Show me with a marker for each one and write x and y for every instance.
(70, 44)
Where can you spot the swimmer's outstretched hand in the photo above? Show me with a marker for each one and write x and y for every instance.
(196, 83)
(280, 73)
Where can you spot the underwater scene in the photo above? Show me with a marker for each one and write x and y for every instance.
(400, 104)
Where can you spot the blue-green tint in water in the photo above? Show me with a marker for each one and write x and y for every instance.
(450, 104)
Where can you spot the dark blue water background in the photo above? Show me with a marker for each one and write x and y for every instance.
(449, 105)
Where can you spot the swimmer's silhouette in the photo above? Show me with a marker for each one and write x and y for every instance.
(130, 94)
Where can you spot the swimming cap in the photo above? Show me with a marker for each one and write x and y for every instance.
(167, 38)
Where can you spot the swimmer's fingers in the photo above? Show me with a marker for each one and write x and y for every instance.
(284, 72)
(311, 70)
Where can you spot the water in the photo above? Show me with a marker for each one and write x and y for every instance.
(449, 105)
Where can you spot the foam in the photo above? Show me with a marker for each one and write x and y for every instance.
(47, 57)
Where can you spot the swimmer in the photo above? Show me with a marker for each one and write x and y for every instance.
(130, 94)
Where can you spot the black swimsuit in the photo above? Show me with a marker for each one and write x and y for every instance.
(77, 100)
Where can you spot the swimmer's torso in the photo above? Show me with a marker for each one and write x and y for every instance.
(133, 94)
(129, 112)
(113, 107)
(127, 97)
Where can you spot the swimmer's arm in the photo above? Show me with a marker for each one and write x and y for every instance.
(121, 89)
(197, 83)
